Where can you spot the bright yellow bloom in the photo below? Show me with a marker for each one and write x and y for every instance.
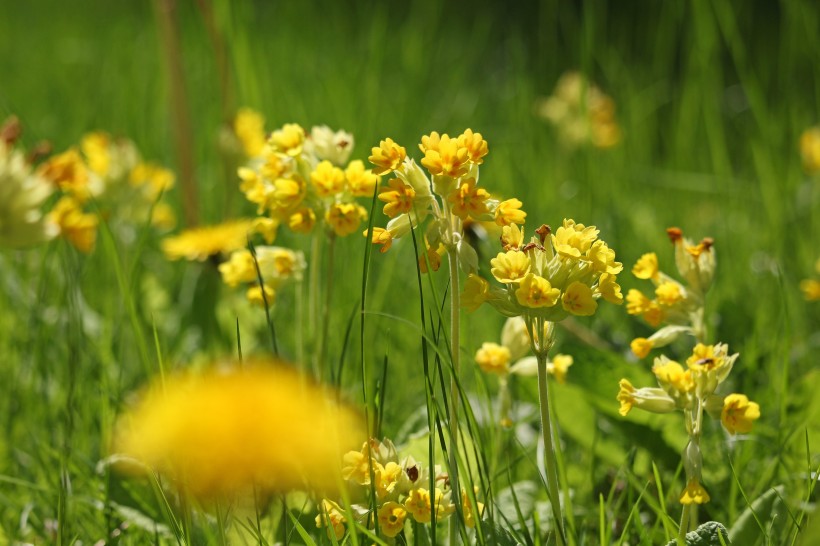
(356, 465)
(468, 201)
(739, 414)
(387, 477)
(289, 140)
(636, 302)
(810, 149)
(68, 171)
(653, 314)
(430, 142)
(559, 365)
(694, 493)
(571, 240)
(669, 293)
(249, 127)
(302, 221)
(398, 197)
(381, 237)
(239, 268)
(361, 182)
(275, 166)
(493, 358)
(476, 291)
(641, 346)
(510, 267)
(262, 427)
(509, 212)
(646, 267)
(345, 218)
(475, 145)
(578, 300)
(626, 396)
(254, 295)
(448, 159)
(535, 291)
(266, 227)
(202, 242)
(78, 227)
(811, 289)
(96, 148)
(332, 517)
(602, 259)
(418, 504)
(610, 289)
(328, 179)
(288, 192)
(391, 519)
(512, 237)
(387, 157)
(672, 377)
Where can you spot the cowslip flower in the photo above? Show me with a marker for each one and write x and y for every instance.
(233, 430)
(249, 128)
(738, 414)
(391, 518)
(198, 244)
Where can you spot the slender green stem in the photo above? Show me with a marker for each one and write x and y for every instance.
(322, 346)
(549, 447)
(454, 394)
(313, 295)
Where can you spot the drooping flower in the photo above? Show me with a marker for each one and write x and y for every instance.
(694, 493)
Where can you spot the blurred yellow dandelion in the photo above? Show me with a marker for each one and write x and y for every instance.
(202, 242)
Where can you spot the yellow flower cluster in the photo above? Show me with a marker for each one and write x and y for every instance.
(277, 265)
(693, 390)
(581, 113)
(402, 489)
(22, 194)
(450, 196)
(679, 305)
(108, 171)
(234, 431)
(298, 179)
(552, 276)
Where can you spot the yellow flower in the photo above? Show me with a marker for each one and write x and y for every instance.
(388, 477)
(810, 149)
(636, 302)
(430, 142)
(302, 221)
(22, 194)
(493, 358)
(262, 427)
(239, 268)
(356, 465)
(535, 291)
(266, 227)
(78, 227)
(68, 171)
(387, 157)
(578, 300)
(468, 201)
(361, 181)
(275, 166)
(649, 399)
(288, 192)
(476, 291)
(475, 145)
(559, 365)
(610, 289)
(672, 377)
(328, 179)
(335, 146)
(646, 267)
(626, 396)
(510, 267)
(512, 237)
(249, 127)
(398, 196)
(467, 508)
(96, 148)
(448, 159)
(332, 517)
(811, 289)
(509, 212)
(381, 237)
(418, 504)
(739, 414)
(288, 140)
(694, 493)
(433, 256)
(255, 296)
(653, 314)
(202, 242)
(345, 218)
(571, 239)
(669, 293)
(602, 259)
(641, 346)
(391, 519)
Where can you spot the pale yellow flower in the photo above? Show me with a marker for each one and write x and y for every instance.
(78, 227)
(249, 127)
(476, 291)
(535, 291)
(345, 218)
(361, 182)
(510, 267)
(493, 358)
(669, 293)
(509, 212)
(578, 300)
(328, 179)
(646, 267)
(288, 140)
(332, 517)
(391, 518)
(739, 414)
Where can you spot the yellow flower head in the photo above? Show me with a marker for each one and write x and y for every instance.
(467, 508)
(288, 140)
(475, 145)
(448, 159)
(636, 302)
(398, 197)
(69, 172)
(694, 493)
(328, 179)
(249, 127)
(602, 259)
(558, 366)
(739, 414)
(332, 517)
(626, 396)
(641, 346)
(356, 465)
(810, 149)
(646, 267)
(239, 268)
(509, 212)
(510, 267)
(266, 227)
(388, 478)
(361, 182)
(261, 427)
(811, 289)
(381, 237)
(96, 148)
(672, 377)
(669, 293)
(609, 289)
(259, 298)
(571, 240)
(387, 157)
(512, 237)
(287, 193)
(430, 142)
(22, 194)
(535, 291)
(469, 201)
(202, 242)
(476, 292)
(418, 504)
(649, 399)
(345, 218)
(391, 518)
(493, 358)
(433, 256)
(578, 300)
(302, 221)
(78, 227)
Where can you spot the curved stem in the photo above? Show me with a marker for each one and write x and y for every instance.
(455, 344)
(549, 448)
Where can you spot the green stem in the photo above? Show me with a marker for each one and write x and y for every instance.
(322, 349)
(313, 295)
(549, 447)
(454, 394)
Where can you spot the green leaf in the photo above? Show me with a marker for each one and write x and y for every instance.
(751, 525)
(710, 533)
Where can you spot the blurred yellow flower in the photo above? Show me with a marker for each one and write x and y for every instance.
(328, 179)
(476, 291)
(811, 289)
(78, 227)
(202, 242)
(646, 267)
(360, 181)
(810, 149)
(227, 432)
(509, 212)
(694, 493)
(332, 517)
(345, 218)
(288, 140)
(559, 365)
(739, 414)
(641, 346)
(249, 127)
(669, 293)
(493, 358)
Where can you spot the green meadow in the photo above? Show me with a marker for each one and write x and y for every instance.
(711, 100)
